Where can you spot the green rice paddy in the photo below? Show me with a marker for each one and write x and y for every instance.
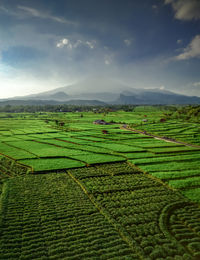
(87, 191)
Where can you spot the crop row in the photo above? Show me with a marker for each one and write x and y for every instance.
(49, 164)
(183, 131)
(9, 167)
(53, 219)
(169, 158)
(171, 166)
(180, 171)
(170, 175)
(118, 168)
(135, 211)
(185, 228)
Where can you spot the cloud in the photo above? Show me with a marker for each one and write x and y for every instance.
(191, 51)
(107, 62)
(127, 42)
(66, 42)
(185, 9)
(108, 59)
(196, 84)
(21, 12)
(91, 44)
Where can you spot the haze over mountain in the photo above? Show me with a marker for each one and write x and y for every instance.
(101, 91)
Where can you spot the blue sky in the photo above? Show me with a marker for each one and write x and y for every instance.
(45, 44)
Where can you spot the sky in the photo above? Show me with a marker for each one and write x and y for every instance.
(47, 44)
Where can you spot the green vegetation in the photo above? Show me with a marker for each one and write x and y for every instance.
(51, 164)
(138, 206)
(108, 192)
(42, 218)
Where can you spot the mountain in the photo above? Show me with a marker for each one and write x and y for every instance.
(153, 97)
(58, 96)
(101, 91)
(32, 102)
(96, 88)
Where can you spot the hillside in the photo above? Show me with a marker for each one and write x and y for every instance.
(108, 91)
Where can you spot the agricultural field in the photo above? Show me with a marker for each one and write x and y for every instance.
(182, 131)
(72, 189)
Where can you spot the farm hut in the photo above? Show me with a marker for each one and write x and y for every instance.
(162, 120)
(145, 120)
(105, 131)
(100, 122)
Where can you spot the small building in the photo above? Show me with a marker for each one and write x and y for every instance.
(144, 120)
(100, 122)
(162, 120)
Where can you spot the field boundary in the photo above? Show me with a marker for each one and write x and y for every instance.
(118, 228)
(166, 139)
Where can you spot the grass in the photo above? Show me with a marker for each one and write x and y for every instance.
(173, 149)
(110, 210)
(193, 194)
(14, 152)
(171, 166)
(118, 147)
(185, 183)
(98, 158)
(168, 175)
(44, 164)
(81, 140)
(172, 158)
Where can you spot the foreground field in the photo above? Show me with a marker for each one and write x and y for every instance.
(105, 212)
(78, 190)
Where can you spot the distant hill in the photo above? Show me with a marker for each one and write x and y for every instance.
(153, 98)
(59, 96)
(51, 102)
(101, 91)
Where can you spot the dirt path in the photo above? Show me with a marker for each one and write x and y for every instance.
(166, 139)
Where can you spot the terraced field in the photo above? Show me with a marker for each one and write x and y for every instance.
(76, 192)
(183, 131)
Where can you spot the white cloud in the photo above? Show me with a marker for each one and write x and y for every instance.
(162, 87)
(66, 42)
(44, 15)
(91, 44)
(107, 62)
(185, 9)
(108, 59)
(63, 43)
(127, 42)
(191, 51)
(77, 43)
(196, 84)
(5, 10)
